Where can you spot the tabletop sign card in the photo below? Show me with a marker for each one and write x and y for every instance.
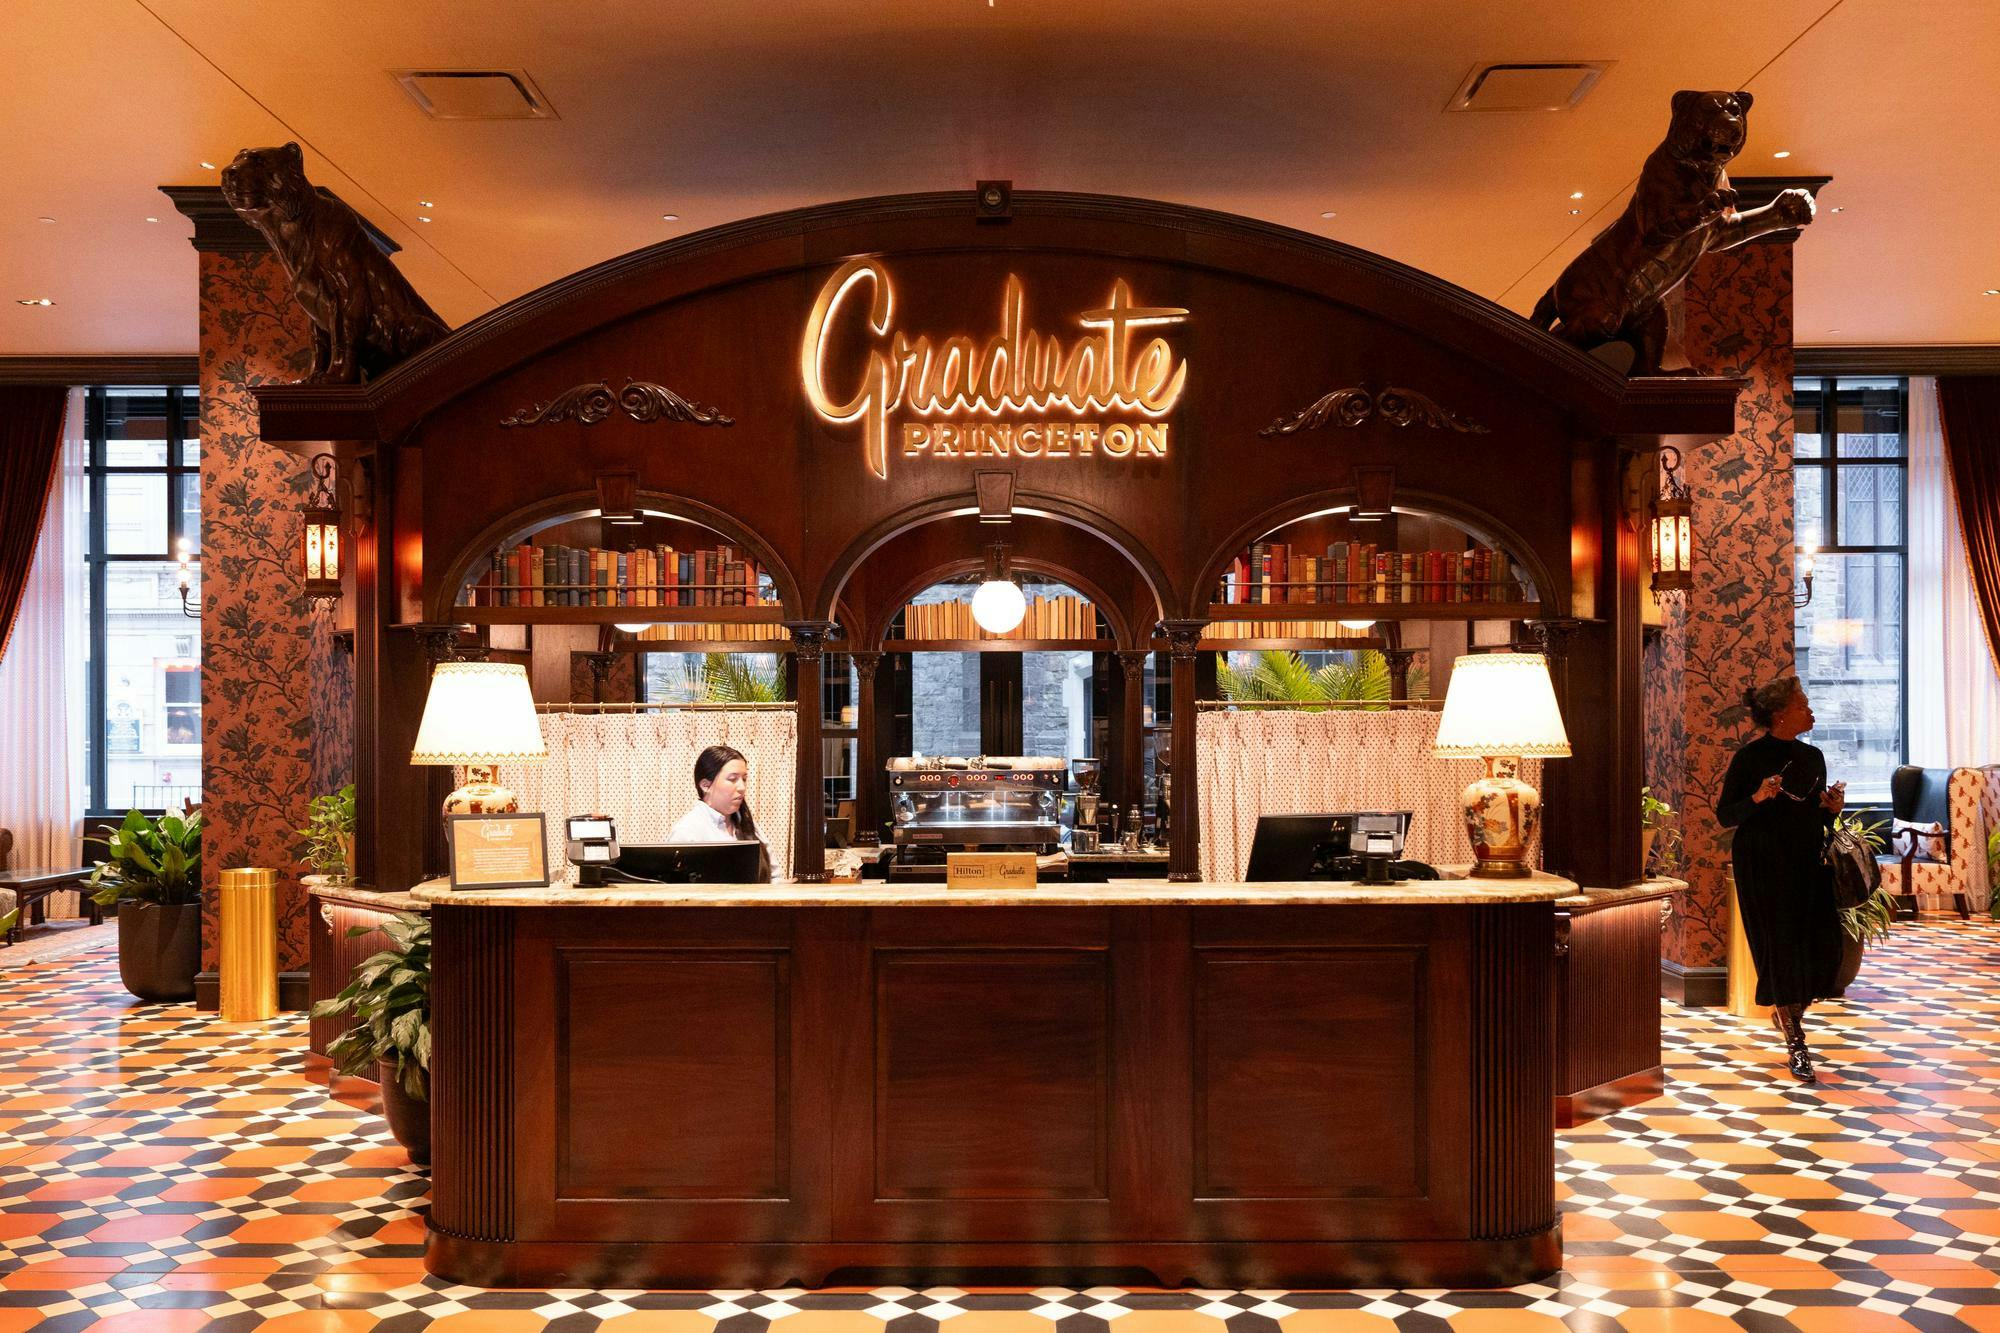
(498, 851)
(989, 870)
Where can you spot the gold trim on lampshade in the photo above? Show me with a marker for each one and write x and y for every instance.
(1501, 704)
(248, 959)
(478, 713)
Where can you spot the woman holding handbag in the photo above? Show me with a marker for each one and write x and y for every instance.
(1776, 797)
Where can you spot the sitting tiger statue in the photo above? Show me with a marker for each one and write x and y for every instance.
(365, 315)
(1624, 289)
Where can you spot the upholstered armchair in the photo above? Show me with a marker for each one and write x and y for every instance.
(1937, 842)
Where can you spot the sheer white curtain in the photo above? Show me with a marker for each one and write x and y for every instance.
(41, 681)
(1954, 690)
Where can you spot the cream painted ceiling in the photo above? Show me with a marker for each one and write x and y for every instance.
(1278, 109)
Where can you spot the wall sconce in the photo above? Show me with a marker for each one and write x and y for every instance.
(1672, 543)
(190, 609)
(1802, 586)
(319, 533)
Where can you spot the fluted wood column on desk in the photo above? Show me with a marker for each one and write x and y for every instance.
(1184, 858)
(867, 813)
(809, 813)
(1132, 729)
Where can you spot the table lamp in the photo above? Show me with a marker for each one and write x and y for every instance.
(479, 714)
(1500, 707)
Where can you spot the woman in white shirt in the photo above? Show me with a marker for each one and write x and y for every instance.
(722, 780)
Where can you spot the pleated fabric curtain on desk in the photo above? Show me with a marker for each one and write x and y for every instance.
(638, 767)
(1272, 761)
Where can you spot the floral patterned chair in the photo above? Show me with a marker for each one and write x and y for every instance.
(1937, 841)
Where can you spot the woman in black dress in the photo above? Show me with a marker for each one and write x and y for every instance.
(1776, 798)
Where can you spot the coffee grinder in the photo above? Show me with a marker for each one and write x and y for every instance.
(1084, 812)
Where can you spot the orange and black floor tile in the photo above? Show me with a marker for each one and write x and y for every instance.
(161, 1172)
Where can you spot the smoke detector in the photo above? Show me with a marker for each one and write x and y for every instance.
(475, 94)
(1543, 85)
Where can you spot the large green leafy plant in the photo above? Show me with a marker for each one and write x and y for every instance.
(390, 992)
(730, 678)
(1869, 922)
(150, 861)
(329, 834)
(1280, 676)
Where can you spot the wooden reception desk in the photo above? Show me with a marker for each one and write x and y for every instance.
(1219, 1085)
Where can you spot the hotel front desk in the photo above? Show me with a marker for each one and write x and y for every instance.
(1223, 1085)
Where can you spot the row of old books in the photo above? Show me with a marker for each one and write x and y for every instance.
(1273, 572)
(691, 632)
(1231, 630)
(555, 575)
(1047, 618)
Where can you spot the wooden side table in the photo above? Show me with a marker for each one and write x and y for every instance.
(31, 888)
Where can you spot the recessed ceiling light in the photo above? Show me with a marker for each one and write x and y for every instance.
(1840, 210)
(208, 166)
(423, 219)
(1576, 194)
(152, 219)
(45, 219)
(1574, 211)
(1833, 330)
(1782, 152)
(35, 300)
(425, 203)
(1991, 291)
(670, 217)
(1329, 214)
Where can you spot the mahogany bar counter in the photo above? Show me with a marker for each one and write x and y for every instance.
(1224, 1085)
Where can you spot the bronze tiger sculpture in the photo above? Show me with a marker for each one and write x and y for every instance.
(1625, 286)
(365, 315)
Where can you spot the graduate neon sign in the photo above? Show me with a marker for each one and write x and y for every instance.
(1016, 394)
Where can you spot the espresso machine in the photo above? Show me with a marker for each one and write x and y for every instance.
(1083, 812)
(944, 804)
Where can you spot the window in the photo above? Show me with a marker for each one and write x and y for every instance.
(143, 742)
(1849, 470)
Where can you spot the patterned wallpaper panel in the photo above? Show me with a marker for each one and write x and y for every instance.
(257, 679)
(1738, 618)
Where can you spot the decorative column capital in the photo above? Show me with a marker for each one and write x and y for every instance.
(866, 662)
(1399, 660)
(1183, 635)
(1552, 636)
(438, 641)
(1133, 662)
(809, 638)
(600, 664)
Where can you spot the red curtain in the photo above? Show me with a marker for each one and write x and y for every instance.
(31, 419)
(1969, 411)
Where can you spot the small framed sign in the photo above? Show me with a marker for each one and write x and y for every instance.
(498, 851)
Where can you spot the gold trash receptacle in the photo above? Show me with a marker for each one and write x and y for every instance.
(1742, 968)
(249, 945)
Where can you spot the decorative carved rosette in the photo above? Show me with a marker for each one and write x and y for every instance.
(641, 400)
(1351, 407)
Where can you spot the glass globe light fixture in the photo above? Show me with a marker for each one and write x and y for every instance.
(998, 605)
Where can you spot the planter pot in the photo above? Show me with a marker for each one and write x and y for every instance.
(159, 949)
(1851, 952)
(1646, 850)
(409, 1119)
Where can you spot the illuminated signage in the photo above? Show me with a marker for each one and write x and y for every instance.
(1017, 394)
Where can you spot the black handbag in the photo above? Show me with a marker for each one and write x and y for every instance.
(1851, 868)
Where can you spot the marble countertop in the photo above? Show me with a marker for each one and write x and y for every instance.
(1542, 888)
(363, 896)
(1593, 899)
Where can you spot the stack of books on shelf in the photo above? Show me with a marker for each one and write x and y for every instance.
(1047, 618)
(1273, 572)
(1233, 630)
(552, 575)
(694, 634)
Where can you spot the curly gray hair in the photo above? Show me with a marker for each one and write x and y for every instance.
(1767, 699)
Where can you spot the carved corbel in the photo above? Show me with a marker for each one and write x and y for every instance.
(1364, 402)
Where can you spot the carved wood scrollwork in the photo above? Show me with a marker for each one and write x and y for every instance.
(1351, 407)
(640, 400)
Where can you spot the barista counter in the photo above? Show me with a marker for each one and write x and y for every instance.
(1223, 1085)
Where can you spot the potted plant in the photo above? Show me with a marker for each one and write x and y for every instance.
(390, 995)
(1656, 822)
(153, 878)
(329, 835)
(1863, 925)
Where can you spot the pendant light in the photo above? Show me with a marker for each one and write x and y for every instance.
(998, 604)
(1672, 546)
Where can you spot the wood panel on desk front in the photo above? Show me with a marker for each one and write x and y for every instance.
(1207, 1095)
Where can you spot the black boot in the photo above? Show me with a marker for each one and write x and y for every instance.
(1798, 1060)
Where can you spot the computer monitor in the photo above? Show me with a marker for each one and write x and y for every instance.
(1295, 847)
(692, 862)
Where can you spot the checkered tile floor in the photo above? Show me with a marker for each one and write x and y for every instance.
(160, 1172)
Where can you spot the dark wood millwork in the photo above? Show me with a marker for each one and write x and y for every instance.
(869, 753)
(1130, 757)
(1184, 865)
(1879, 359)
(1223, 1096)
(1607, 1030)
(809, 639)
(74, 370)
(334, 955)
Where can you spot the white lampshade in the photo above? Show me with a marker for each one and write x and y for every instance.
(478, 713)
(1501, 704)
(998, 605)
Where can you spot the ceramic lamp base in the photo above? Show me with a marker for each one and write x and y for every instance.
(480, 795)
(1502, 814)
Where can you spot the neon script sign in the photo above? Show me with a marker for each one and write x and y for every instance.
(1017, 394)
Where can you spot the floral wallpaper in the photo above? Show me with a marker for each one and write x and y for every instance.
(332, 668)
(257, 642)
(1737, 622)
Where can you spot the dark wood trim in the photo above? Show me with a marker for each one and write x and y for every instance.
(69, 371)
(1695, 987)
(294, 992)
(1899, 359)
(1575, 1108)
(217, 229)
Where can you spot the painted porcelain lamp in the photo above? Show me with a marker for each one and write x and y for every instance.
(1501, 708)
(480, 714)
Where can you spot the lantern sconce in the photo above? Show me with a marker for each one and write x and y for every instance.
(319, 533)
(1672, 543)
(1802, 587)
